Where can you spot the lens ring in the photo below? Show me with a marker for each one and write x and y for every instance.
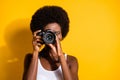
(49, 37)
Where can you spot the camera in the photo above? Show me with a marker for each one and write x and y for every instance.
(48, 37)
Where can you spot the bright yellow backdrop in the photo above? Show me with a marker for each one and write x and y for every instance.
(94, 36)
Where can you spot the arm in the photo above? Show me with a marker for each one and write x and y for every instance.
(31, 72)
(69, 68)
(31, 69)
(65, 69)
(73, 66)
(26, 64)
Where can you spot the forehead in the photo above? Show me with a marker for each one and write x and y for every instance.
(53, 27)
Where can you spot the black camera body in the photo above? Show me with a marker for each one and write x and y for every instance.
(48, 36)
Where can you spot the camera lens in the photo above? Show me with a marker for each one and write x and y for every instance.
(49, 37)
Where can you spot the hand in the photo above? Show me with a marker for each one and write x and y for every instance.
(59, 48)
(36, 41)
(56, 48)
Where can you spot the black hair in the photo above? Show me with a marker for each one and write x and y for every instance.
(50, 14)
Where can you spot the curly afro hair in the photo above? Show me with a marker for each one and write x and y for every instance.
(50, 14)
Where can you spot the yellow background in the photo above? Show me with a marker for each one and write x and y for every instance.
(94, 36)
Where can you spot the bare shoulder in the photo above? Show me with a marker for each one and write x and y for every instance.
(27, 60)
(73, 66)
(72, 61)
(28, 57)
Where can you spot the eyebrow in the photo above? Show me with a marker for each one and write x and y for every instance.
(53, 30)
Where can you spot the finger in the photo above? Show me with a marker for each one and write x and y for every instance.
(53, 48)
(35, 43)
(38, 40)
(39, 44)
(57, 41)
(37, 37)
(58, 45)
(34, 34)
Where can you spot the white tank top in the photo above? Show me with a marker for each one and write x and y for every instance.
(43, 74)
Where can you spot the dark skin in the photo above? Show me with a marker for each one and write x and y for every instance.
(51, 57)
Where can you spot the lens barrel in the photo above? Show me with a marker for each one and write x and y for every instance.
(48, 36)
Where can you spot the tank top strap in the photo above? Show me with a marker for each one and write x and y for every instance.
(65, 56)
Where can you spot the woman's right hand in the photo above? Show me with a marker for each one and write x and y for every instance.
(37, 42)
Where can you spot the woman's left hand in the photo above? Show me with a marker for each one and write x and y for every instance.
(56, 48)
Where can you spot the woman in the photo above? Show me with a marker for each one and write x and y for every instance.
(51, 63)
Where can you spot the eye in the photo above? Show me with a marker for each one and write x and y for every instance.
(57, 32)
